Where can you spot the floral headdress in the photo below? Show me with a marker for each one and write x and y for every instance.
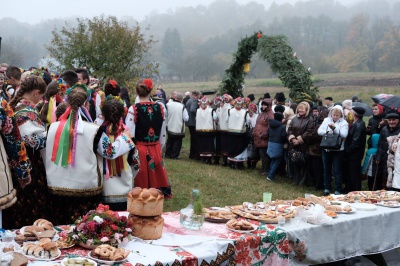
(148, 83)
(239, 100)
(253, 107)
(62, 85)
(217, 100)
(51, 111)
(113, 83)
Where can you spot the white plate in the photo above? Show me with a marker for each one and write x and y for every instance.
(395, 204)
(108, 262)
(363, 206)
(41, 259)
(54, 239)
(242, 231)
(64, 261)
(344, 212)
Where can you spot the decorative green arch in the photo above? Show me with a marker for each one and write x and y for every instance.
(276, 51)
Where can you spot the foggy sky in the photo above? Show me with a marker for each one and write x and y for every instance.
(37, 11)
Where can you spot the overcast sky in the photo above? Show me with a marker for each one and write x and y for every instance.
(34, 11)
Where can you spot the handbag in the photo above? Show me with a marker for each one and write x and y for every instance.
(331, 141)
(296, 156)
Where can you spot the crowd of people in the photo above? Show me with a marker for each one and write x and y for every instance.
(286, 137)
(72, 143)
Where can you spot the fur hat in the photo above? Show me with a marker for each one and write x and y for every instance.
(359, 111)
(251, 97)
(279, 108)
(391, 115)
(280, 97)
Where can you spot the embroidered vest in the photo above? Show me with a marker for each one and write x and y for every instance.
(148, 120)
(237, 120)
(85, 179)
(204, 120)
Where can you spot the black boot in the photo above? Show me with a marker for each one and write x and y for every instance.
(216, 160)
(224, 161)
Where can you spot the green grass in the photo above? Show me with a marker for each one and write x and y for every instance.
(222, 186)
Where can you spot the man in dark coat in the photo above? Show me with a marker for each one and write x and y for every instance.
(191, 106)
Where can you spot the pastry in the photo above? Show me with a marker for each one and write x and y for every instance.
(147, 228)
(145, 202)
(19, 260)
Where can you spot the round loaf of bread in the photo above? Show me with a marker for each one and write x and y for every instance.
(50, 245)
(145, 202)
(147, 228)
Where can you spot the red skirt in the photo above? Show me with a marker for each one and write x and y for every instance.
(152, 173)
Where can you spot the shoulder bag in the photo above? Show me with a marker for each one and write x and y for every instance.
(331, 141)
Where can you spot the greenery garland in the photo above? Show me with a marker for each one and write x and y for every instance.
(276, 51)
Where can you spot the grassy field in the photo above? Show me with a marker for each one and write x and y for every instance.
(222, 186)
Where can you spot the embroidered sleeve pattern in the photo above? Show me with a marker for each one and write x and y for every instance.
(35, 141)
(112, 150)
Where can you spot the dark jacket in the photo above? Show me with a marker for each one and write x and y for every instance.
(373, 127)
(383, 146)
(261, 127)
(314, 140)
(354, 146)
(191, 106)
(276, 132)
(301, 128)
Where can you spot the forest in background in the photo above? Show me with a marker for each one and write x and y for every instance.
(196, 43)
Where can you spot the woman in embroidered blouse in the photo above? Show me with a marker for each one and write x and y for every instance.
(32, 201)
(145, 120)
(74, 159)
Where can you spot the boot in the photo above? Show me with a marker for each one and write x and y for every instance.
(249, 164)
(216, 160)
(224, 161)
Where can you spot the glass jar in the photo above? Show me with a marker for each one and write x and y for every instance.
(188, 218)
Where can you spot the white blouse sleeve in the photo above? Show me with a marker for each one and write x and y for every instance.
(130, 120)
(111, 150)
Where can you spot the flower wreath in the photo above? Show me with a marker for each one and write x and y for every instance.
(62, 85)
(148, 83)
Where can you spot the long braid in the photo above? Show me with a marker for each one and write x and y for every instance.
(30, 83)
(113, 111)
(76, 99)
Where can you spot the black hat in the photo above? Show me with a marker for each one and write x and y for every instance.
(391, 115)
(267, 96)
(280, 97)
(279, 108)
(359, 111)
(338, 103)
(329, 98)
(278, 116)
(354, 98)
(251, 97)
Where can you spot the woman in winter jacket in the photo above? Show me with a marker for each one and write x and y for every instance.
(332, 159)
(300, 129)
(260, 132)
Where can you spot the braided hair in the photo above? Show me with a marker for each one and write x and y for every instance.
(113, 112)
(29, 84)
(52, 90)
(76, 98)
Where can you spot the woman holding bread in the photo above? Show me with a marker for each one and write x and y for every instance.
(32, 202)
(74, 159)
(145, 120)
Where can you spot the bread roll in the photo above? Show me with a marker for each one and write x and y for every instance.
(50, 245)
(44, 241)
(19, 260)
(29, 230)
(145, 202)
(147, 228)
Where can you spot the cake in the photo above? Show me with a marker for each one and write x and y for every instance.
(145, 202)
(146, 228)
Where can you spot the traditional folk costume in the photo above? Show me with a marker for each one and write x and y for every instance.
(177, 116)
(32, 202)
(74, 165)
(251, 119)
(119, 173)
(237, 136)
(14, 158)
(205, 130)
(223, 116)
(145, 120)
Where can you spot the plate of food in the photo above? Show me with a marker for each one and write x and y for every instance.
(64, 244)
(218, 216)
(33, 233)
(43, 255)
(331, 214)
(363, 206)
(106, 254)
(390, 204)
(240, 226)
(78, 261)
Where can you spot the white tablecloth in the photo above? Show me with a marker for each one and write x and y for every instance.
(350, 235)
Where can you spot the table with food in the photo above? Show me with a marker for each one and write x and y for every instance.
(303, 231)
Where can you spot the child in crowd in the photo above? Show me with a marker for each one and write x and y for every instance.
(369, 166)
(276, 138)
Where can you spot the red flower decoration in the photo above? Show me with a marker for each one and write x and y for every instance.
(259, 35)
(148, 83)
(151, 132)
(113, 83)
